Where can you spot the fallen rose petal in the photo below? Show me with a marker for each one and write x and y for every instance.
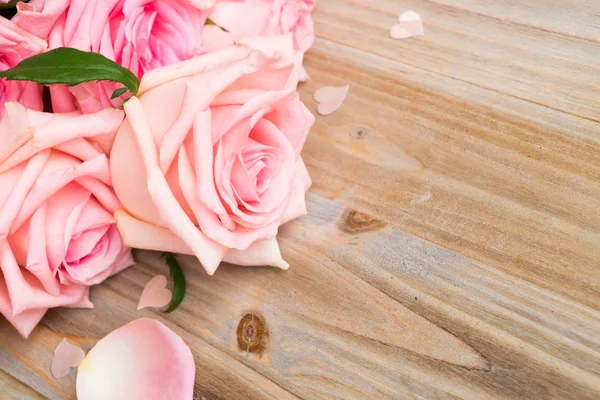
(155, 293)
(409, 25)
(330, 98)
(141, 360)
(66, 356)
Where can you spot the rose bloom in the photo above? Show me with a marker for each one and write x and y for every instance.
(208, 159)
(17, 44)
(138, 34)
(268, 18)
(57, 231)
(249, 18)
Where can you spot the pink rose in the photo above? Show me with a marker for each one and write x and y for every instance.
(17, 44)
(138, 34)
(57, 231)
(268, 18)
(208, 159)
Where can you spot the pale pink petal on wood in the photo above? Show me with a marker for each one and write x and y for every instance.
(409, 25)
(155, 293)
(330, 98)
(66, 356)
(141, 360)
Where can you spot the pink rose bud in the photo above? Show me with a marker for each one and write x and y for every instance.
(208, 159)
(57, 231)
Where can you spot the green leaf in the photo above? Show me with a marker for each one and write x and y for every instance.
(72, 67)
(178, 280)
(211, 22)
(118, 93)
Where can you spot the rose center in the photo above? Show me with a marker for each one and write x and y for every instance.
(85, 245)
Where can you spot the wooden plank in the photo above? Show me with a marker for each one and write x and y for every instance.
(551, 69)
(452, 244)
(338, 325)
(216, 375)
(577, 18)
(502, 181)
(12, 389)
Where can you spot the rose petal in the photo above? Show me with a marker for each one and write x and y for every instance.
(141, 360)
(297, 204)
(25, 290)
(66, 356)
(263, 252)
(15, 129)
(142, 235)
(206, 190)
(16, 198)
(58, 129)
(207, 251)
(39, 18)
(200, 92)
(79, 148)
(293, 119)
(108, 258)
(155, 293)
(214, 38)
(139, 234)
(228, 15)
(29, 246)
(62, 99)
(161, 76)
(24, 322)
(63, 210)
(238, 238)
(58, 172)
(330, 98)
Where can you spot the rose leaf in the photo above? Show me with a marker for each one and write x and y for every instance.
(178, 280)
(69, 66)
(118, 93)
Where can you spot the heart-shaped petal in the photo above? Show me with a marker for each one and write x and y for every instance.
(409, 25)
(143, 360)
(155, 293)
(330, 98)
(407, 16)
(66, 356)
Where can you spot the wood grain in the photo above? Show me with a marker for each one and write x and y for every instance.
(452, 246)
(12, 389)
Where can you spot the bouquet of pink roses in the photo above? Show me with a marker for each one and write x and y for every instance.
(170, 125)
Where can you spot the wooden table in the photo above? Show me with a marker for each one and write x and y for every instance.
(452, 246)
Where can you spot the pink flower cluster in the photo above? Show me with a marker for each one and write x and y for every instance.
(205, 160)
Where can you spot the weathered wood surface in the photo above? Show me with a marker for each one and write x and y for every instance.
(452, 249)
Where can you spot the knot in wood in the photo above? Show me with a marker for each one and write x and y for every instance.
(251, 333)
(359, 132)
(353, 222)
